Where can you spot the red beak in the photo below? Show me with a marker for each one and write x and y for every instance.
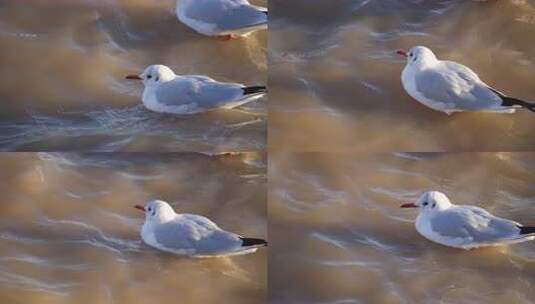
(402, 53)
(134, 77)
(409, 205)
(140, 207)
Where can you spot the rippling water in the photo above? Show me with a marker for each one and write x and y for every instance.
(69, 232)
(335, 79)
(62, 86)
(339, 236)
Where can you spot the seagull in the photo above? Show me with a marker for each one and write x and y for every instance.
(226, 19)
(465, 227)
(191, 235)
(450, 87)
(166, 92)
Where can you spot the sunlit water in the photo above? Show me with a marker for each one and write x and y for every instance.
(335, 78)
(69, 232)
(62, 85)
(339, 236)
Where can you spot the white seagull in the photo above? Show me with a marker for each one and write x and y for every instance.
(222, 18)
(465, 227)
(450, 87)
(166, 92)
(191, 235)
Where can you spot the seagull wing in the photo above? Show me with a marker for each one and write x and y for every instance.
(463, 71)
(198, 92)
(472, 225)
(224, 15)
(484, 213)
(242, 16)
(201, 221)
(196, 235)
(456, 87)
(177, 236)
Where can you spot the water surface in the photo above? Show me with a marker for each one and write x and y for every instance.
(69, 232)
(335, 78)
(338, 235)
(62, 85)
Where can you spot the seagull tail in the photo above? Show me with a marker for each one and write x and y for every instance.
(526, 230)
(510, 102)
(246, 242)
(254, 90)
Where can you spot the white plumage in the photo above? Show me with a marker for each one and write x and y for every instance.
(191, 235)
(450, 87)
(464, 227)
(166, 92)
(221, 17)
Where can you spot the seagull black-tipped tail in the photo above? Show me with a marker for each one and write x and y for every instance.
(246, 242)
(254, 90)
(510, 102)
(526, 230)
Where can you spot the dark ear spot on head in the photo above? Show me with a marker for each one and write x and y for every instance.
(434, 204)
(157, 78)
(154, 212)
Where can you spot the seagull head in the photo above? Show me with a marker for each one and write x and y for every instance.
(154, 75)
(157, 211)
(430, 201)
(419, 55)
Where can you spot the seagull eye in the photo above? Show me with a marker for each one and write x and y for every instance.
(425, 203)
(149, 76)
(410, 54)
(150, 209)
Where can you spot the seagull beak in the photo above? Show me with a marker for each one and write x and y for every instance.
(409, 205)
(402, 53)
(134, 77)
(140, 207)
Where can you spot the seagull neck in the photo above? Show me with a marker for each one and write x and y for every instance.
(425, 63)
(167, 78)
(445, 205)
(164, 217)
(426, 213)
(442, 207)
(429, 212)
